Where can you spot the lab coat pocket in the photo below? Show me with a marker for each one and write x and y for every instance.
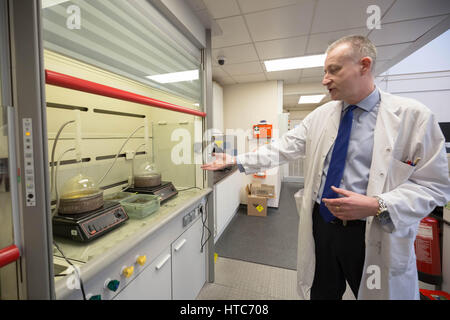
(399, 172)
(396, 253)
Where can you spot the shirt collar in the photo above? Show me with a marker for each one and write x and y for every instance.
(369, 102)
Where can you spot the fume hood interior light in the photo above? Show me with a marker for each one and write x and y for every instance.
(51, 3)
(175, 76)
(295, 63)
(311, 98)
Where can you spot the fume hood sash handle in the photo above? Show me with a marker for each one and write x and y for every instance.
(69, 82)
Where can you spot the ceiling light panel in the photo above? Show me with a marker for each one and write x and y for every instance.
(311, 99)
(295, 63)
(175, 76)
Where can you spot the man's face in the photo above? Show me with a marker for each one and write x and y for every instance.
(342, 74)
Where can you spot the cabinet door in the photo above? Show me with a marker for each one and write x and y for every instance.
(154, 283)
(188, 263)
(227, 200)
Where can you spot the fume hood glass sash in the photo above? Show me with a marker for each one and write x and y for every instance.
(129, 38)
(9, 221)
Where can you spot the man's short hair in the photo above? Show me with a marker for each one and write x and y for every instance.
(362, 47)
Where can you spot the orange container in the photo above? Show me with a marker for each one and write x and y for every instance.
(262, 131)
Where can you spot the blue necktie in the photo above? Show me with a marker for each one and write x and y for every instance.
(337, 162)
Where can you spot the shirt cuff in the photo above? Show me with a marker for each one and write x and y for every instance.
(240, 167)
(387, 224)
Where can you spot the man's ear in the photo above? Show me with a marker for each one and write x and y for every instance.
(366, 64)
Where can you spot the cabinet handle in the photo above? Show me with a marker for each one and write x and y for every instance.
(163, 262)
(178, 246)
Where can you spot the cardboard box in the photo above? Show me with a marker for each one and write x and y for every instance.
(262, 190)
(256, 205)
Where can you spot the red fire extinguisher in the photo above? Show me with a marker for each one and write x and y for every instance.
(428, 253)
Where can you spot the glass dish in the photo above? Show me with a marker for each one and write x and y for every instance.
(141, 205)
(119, 196)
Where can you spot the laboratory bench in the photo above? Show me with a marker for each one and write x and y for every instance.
(219, 175)
(162, 256)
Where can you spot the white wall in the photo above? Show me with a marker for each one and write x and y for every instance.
(245, 105)
(218, 107)
(424, 76)
(430, 88)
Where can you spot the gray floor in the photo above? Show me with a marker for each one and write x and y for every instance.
(241, 280)
(270, 240)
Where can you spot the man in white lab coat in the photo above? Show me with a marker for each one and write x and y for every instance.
(396, 173)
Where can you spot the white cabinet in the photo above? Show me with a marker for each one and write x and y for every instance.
(178, 273)
(226, 201)
(153, 283)
(188, 263)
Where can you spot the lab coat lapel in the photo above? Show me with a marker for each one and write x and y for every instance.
(335, 118)
(332, 127)
(385, 135)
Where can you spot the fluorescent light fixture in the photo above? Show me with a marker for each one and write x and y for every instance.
(311, 99)
(175, 76)
(295, 63)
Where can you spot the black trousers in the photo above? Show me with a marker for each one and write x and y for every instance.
(339, 257)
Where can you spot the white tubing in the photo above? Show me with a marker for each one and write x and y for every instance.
(129, 137)
(78, 139)
(52, 185)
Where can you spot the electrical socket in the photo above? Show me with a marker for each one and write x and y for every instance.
(186, 220)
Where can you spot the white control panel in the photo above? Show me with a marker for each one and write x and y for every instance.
(28, 172)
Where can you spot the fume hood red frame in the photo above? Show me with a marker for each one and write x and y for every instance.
(69, 82)
(9, 255)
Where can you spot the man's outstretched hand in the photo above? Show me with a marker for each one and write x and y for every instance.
(222, 161)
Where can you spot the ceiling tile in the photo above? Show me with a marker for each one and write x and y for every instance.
(257, 30)
(331, 15)
(289, 76)
(219, 72)
(197, 5)
(279, 23)
(257, 77)
(220, 9)
(316, 79)
(318, 43)
(290, 81)
(258, 5)
(413, 9)
(291, 99)
(313, 72)
(227, 81)
(283, 48)
(234, 32)
(390, 51)
(235, 54)
(406, 31)
(243, 68)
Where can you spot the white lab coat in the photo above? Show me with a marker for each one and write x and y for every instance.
(405, 130)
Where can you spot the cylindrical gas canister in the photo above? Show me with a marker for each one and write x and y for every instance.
(428, 254)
